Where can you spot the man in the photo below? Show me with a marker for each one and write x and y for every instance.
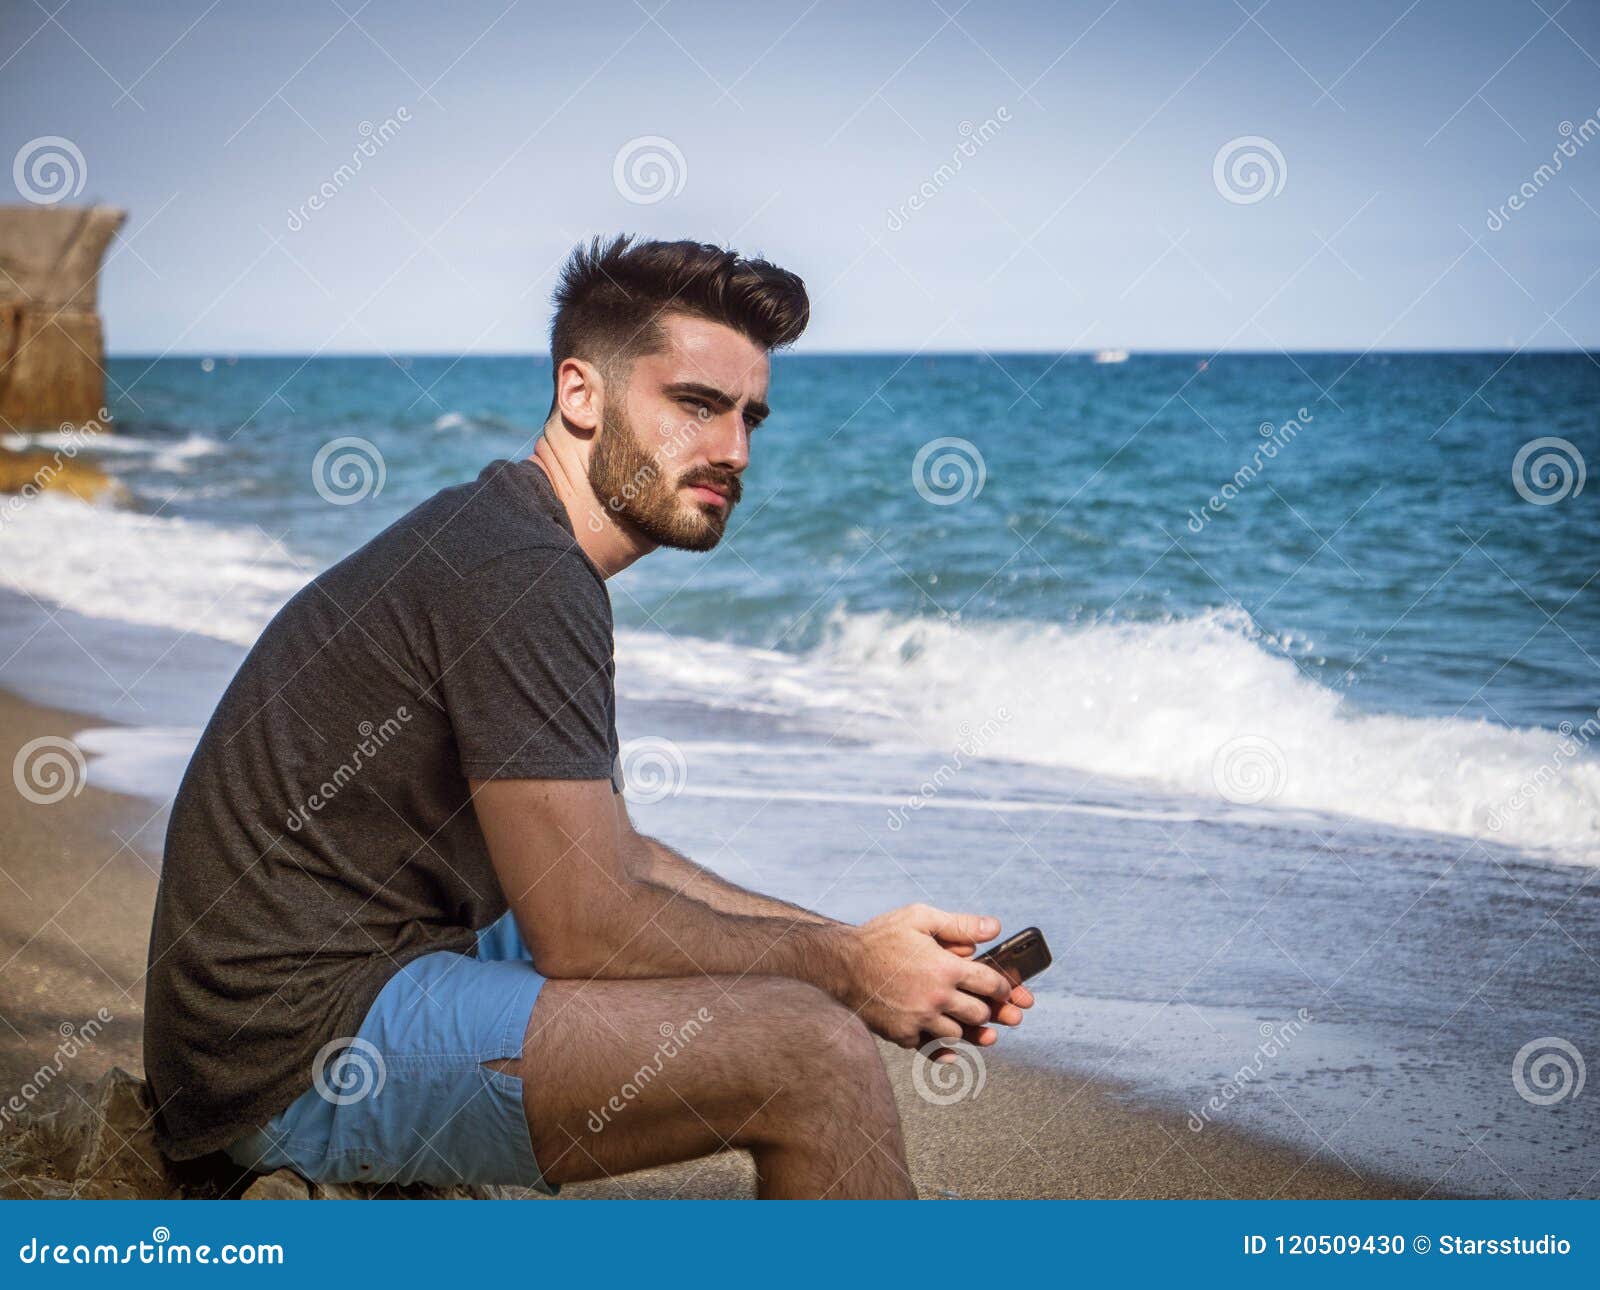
(406, 930)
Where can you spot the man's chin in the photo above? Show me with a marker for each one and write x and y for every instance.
(701, 533)
(697, 526)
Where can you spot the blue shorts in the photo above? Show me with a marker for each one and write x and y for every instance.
(409, 1098)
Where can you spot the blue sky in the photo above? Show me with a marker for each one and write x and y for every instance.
(1089, 215)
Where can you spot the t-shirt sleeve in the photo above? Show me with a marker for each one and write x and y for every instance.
(526, 673)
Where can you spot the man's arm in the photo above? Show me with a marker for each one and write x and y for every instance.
(560, 851)
(656, 862)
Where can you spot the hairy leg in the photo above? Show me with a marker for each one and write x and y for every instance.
(625, 1075)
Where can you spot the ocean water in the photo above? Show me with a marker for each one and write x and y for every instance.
(1266, 685)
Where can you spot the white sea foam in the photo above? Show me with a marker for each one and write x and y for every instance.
(472, 421)
(1161, 703)
(1180, 703)
(947, 802)
(143, 761)
(176, 457)
(1169, 703)
(165, 454)
(108, 563)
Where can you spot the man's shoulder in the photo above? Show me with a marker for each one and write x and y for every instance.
(508, 510)
(504, 524)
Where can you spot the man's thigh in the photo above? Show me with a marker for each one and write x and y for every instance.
(625, 1075)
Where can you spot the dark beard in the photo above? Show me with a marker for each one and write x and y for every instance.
(633, 486)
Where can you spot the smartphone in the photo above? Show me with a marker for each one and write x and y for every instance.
(1020, 956)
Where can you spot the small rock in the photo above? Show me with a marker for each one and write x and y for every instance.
(283, 1185)
(115, 1129)
(401, 1191)
(38, 1188)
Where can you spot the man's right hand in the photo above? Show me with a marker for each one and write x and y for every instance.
(906, 986)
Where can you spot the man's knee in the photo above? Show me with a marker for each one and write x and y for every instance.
(820, 1049)
(822, 1083)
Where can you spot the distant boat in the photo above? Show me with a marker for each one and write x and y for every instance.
(1111, 356)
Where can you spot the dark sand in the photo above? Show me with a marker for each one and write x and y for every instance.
(77, 881)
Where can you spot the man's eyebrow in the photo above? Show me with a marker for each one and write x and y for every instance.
(718, 398)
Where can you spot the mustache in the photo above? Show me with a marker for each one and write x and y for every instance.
(726, 480)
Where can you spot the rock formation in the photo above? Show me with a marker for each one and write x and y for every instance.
(39, 471)
(52, 353)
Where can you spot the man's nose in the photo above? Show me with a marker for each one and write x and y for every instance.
(729, 442)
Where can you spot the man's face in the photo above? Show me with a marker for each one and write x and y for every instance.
(671, 448)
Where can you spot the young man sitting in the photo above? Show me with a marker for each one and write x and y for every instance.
(406, 930)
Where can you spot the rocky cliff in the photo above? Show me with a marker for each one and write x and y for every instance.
(52, 351)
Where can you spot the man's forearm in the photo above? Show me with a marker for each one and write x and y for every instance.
(578, 878)
(649, 930)
(657, 863)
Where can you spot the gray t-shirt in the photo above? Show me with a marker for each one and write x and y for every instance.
(324, 836)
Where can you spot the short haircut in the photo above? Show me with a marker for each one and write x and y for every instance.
(613, 295)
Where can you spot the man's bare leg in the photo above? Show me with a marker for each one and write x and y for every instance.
(779, 1068)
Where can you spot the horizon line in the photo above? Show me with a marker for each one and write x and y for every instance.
(310, 356)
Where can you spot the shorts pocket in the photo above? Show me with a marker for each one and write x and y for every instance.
(514, 1140)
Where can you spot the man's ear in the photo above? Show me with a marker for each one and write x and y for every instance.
(580, 397)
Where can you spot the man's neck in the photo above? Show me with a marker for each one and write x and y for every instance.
(610, 543)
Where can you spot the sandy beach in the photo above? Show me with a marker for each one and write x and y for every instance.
(81, 874)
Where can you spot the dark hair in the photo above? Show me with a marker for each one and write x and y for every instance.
(612, 297)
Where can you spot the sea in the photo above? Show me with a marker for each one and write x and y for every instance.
(1267, 686)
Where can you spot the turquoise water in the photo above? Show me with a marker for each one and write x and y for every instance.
(1353, 550)
(981, 635)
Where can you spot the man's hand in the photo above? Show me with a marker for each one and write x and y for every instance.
(1006, 1014)
(907, 986)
